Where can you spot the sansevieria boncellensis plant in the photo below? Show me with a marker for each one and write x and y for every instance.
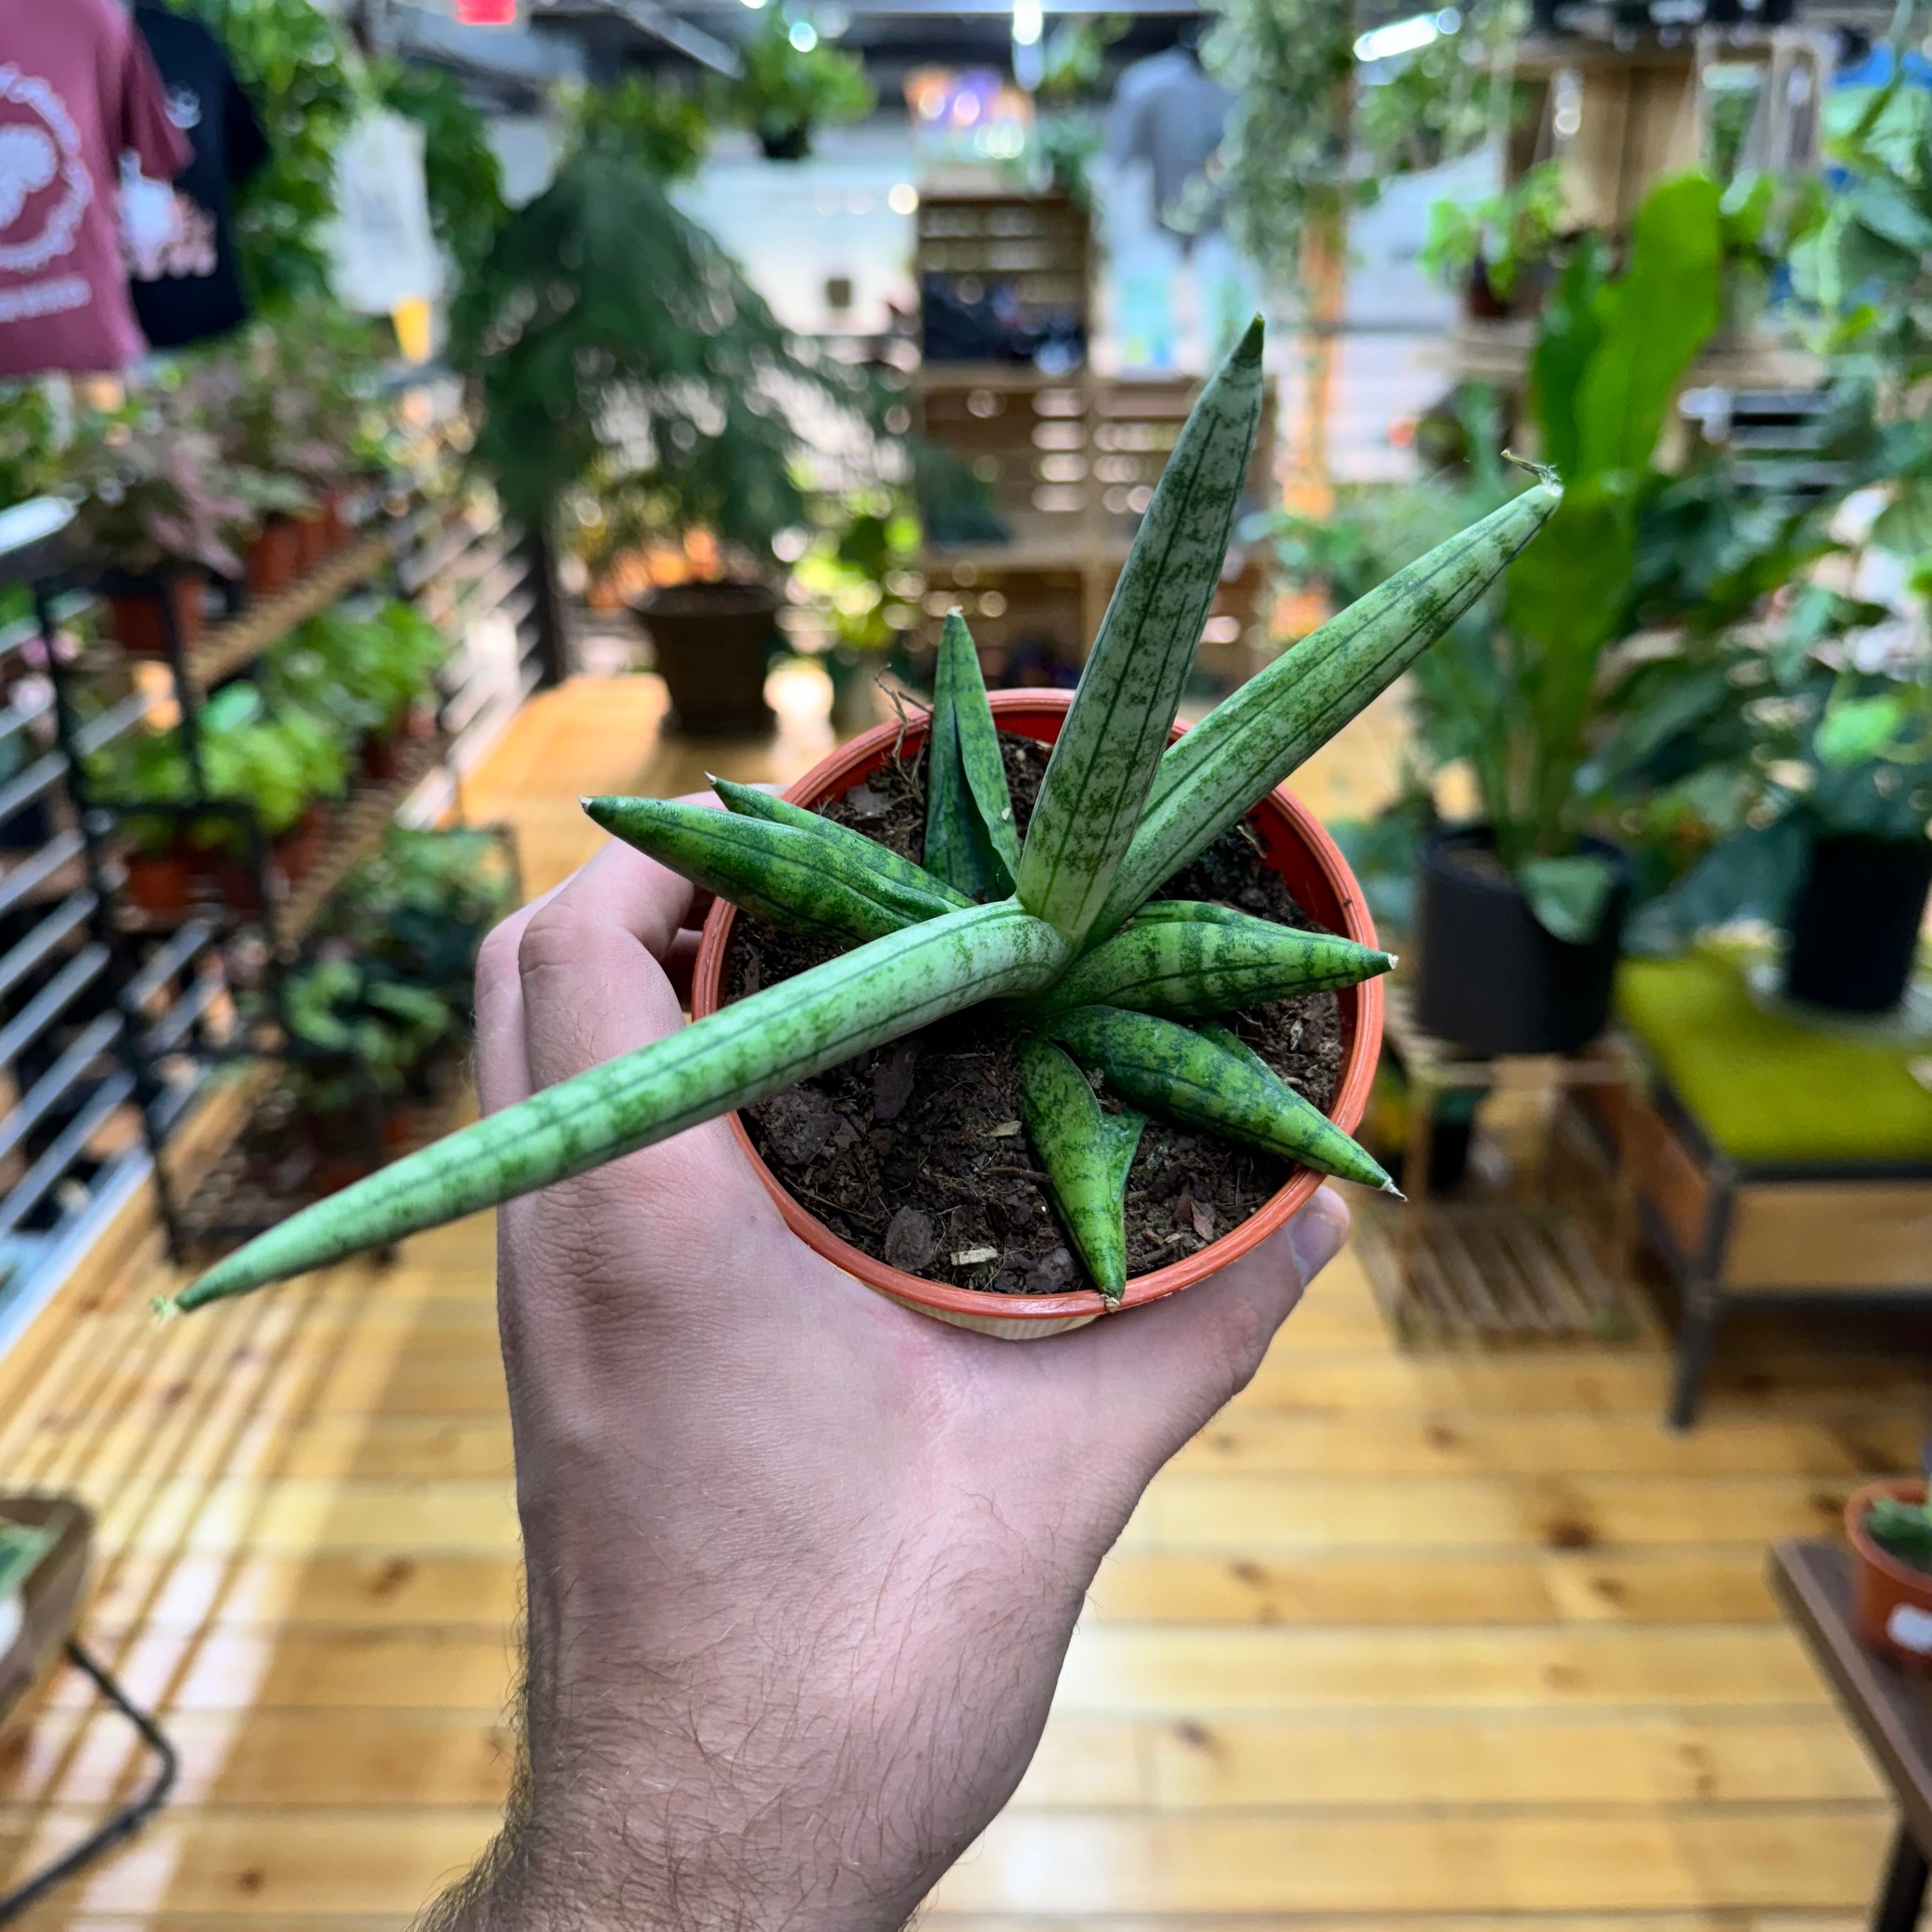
(1057, 928)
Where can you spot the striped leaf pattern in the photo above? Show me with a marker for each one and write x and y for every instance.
(1110, 747)
(734, 1057)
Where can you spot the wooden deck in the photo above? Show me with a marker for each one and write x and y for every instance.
(1465, 1643)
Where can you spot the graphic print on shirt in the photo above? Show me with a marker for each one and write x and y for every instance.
(45, 191)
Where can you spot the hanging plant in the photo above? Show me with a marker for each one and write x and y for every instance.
(1305, 145)
(295, 65)
(793, 85)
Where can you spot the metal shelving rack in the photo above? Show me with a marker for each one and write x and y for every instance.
(114, 1024)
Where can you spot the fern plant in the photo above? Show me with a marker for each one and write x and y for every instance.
(1058, 927)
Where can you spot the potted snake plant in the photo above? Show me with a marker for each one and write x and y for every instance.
(1114, 1006)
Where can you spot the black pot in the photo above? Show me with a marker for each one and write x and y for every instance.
(1492, 980)
(1855, 927)
(793, 145)
(714, 643)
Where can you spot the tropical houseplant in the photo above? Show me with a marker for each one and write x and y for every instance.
(154, 512)
(1789, 761)
(1889, 1525)
(1089, 978)
(1518, 916)
(626, 369)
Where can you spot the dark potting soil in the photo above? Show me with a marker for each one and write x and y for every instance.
(913, 1153)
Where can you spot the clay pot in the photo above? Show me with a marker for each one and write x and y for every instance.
(140, 622)
(297, 851)
(1892, 1602)
(382, 758)
(274, 559)
(713, 643)
(160, 883)
(1294, 845)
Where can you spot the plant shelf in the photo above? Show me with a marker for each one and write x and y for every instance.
(234, 645)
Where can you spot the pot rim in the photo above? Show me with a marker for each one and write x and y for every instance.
(1858, 1506)
(754, 599)
(942, 1297)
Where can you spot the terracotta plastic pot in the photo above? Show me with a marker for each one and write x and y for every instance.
(297, 851)
(1294, 845)
(274, 557)
(1892, 1602)
(161, 883)
(141, 624)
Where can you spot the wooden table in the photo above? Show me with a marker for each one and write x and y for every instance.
(52, 1597)
(1891, 1709)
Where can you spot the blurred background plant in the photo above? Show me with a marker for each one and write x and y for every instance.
(793, 84)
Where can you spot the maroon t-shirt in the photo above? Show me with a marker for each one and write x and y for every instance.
(77, 89)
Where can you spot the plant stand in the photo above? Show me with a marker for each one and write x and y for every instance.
(1777, 1164)
(176, 972)
(1887, 1707)
(1519, 1267)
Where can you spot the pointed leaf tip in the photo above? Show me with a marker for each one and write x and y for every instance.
(1249, 349)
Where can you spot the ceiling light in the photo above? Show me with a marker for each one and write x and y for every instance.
(1029, 21)
(803, 35)
(1407, 36)
(902, 198)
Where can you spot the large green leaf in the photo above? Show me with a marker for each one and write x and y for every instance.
(1654, 318)
(1110, 747)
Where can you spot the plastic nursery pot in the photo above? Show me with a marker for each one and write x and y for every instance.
(160, 883)
(1892, 1602)
(274, 559)
(140, 622)
(1854, 926)
(1490, 978)
(298, 851)
(1294, 844)
(712, 644)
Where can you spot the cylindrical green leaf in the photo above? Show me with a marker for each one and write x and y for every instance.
(1247, 745)
(750, 802)
(1110, 747)
(1218, 963)
(860, 1000)
(1171, 1070)
(796, 878)
(1087, 1152)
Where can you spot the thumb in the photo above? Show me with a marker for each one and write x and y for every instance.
(1147, 1382)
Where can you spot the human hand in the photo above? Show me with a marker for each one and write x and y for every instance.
(802, 1565)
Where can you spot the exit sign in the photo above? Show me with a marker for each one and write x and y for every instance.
(486, 13)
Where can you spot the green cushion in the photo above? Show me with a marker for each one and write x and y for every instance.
(1766, 1088)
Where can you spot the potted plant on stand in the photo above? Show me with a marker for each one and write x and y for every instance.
(153, 512)
(645, 384)
(1127, 954)
(1890, 1526)
(1518, 916)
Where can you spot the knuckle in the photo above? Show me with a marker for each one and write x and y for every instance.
(496, 958)
(557, 936)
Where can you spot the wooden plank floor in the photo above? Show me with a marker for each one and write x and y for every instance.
(1462, 1642)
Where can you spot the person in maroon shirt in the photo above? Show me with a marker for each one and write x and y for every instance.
(77, 89)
